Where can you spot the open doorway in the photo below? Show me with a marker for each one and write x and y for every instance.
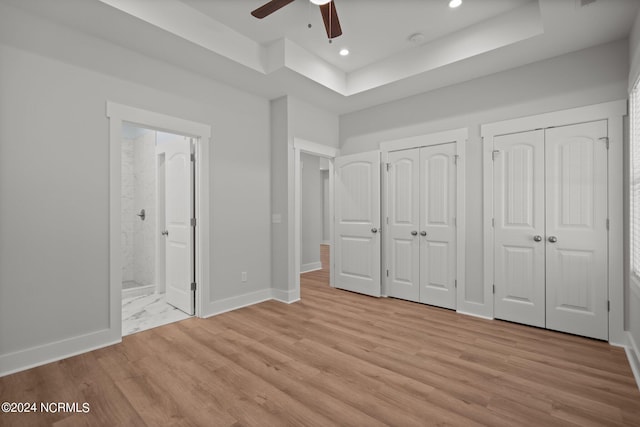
(315, 237)
(196, 284)
(157, 237)
(320, 166)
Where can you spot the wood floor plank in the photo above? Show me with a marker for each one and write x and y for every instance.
(337, 358)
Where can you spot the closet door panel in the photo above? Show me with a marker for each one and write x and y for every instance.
(519, 230)
(437, 220)
(403, 212)
(576, 255)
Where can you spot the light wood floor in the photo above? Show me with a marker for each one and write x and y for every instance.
(337, 358)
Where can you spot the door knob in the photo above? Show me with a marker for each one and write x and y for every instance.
(414, 233)
(553, 239)
(165, 233)
(374, 230)
(423, 233)
(537, 238)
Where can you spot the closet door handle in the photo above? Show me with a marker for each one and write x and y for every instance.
(414, 233)
(423, 233)
(374, 230)
(553, 239)
(165, 233)
(537, 238)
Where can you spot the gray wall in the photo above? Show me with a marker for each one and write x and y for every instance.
(311, 212)
(326, 226)
(291, 118)
(54, 175)
(633, 286)
(586, 77)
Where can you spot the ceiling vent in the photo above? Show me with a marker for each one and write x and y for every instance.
(583, 3)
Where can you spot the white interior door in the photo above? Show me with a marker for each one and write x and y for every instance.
(576, 183)
(179, 211)
(403, 211)
(519, 228)
(437, 225)
(357, 223)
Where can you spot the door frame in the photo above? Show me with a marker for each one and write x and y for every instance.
(117, 114)
(330, 153)
(613, 112)
(458, 137)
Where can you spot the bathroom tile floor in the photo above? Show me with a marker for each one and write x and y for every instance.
(148, 311)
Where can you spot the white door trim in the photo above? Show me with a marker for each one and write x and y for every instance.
(459, 137)
(303, 146)
(117, 114)
(613, 112)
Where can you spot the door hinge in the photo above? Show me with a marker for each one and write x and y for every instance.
(387, 273)
(606, 141)
(193, 222)
(493, 222)
(608, 223)
(455, 222)
(494, 154)
(455, 159)
(494, 289)
(608, 305)
(455, 283)
(193, 157)
(193, 286)
(388, 165)
(387, 220)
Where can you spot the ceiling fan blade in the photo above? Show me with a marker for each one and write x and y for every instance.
(268, 8)
(331, 22)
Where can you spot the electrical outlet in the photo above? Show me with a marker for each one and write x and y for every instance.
(244, 276)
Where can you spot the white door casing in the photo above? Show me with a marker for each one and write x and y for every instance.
(612, 113)
(357, 223)
(437, 234)
(576, 225)
(403, 211)
(179, 212)
(519, 230)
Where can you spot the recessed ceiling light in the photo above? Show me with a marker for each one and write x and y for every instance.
(452, 3)
(344, 52)
(319, 2)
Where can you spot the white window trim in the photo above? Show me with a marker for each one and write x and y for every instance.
(613, 112)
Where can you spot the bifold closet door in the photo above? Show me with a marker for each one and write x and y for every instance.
(357, 223)
(403, 210)
(576, 224)
(519, 229)
(437, 232)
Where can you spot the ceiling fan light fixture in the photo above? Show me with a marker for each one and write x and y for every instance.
(455, 3)
(320, 2)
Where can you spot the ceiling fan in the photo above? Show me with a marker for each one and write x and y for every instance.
(327, 9)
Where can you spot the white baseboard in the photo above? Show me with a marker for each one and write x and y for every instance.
(466, 313)
(52, 352)
(312, 266)
(633, 354)
(236, 302)
(287, 297)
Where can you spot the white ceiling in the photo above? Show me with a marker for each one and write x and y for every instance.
(279, 55)
(372, 29)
